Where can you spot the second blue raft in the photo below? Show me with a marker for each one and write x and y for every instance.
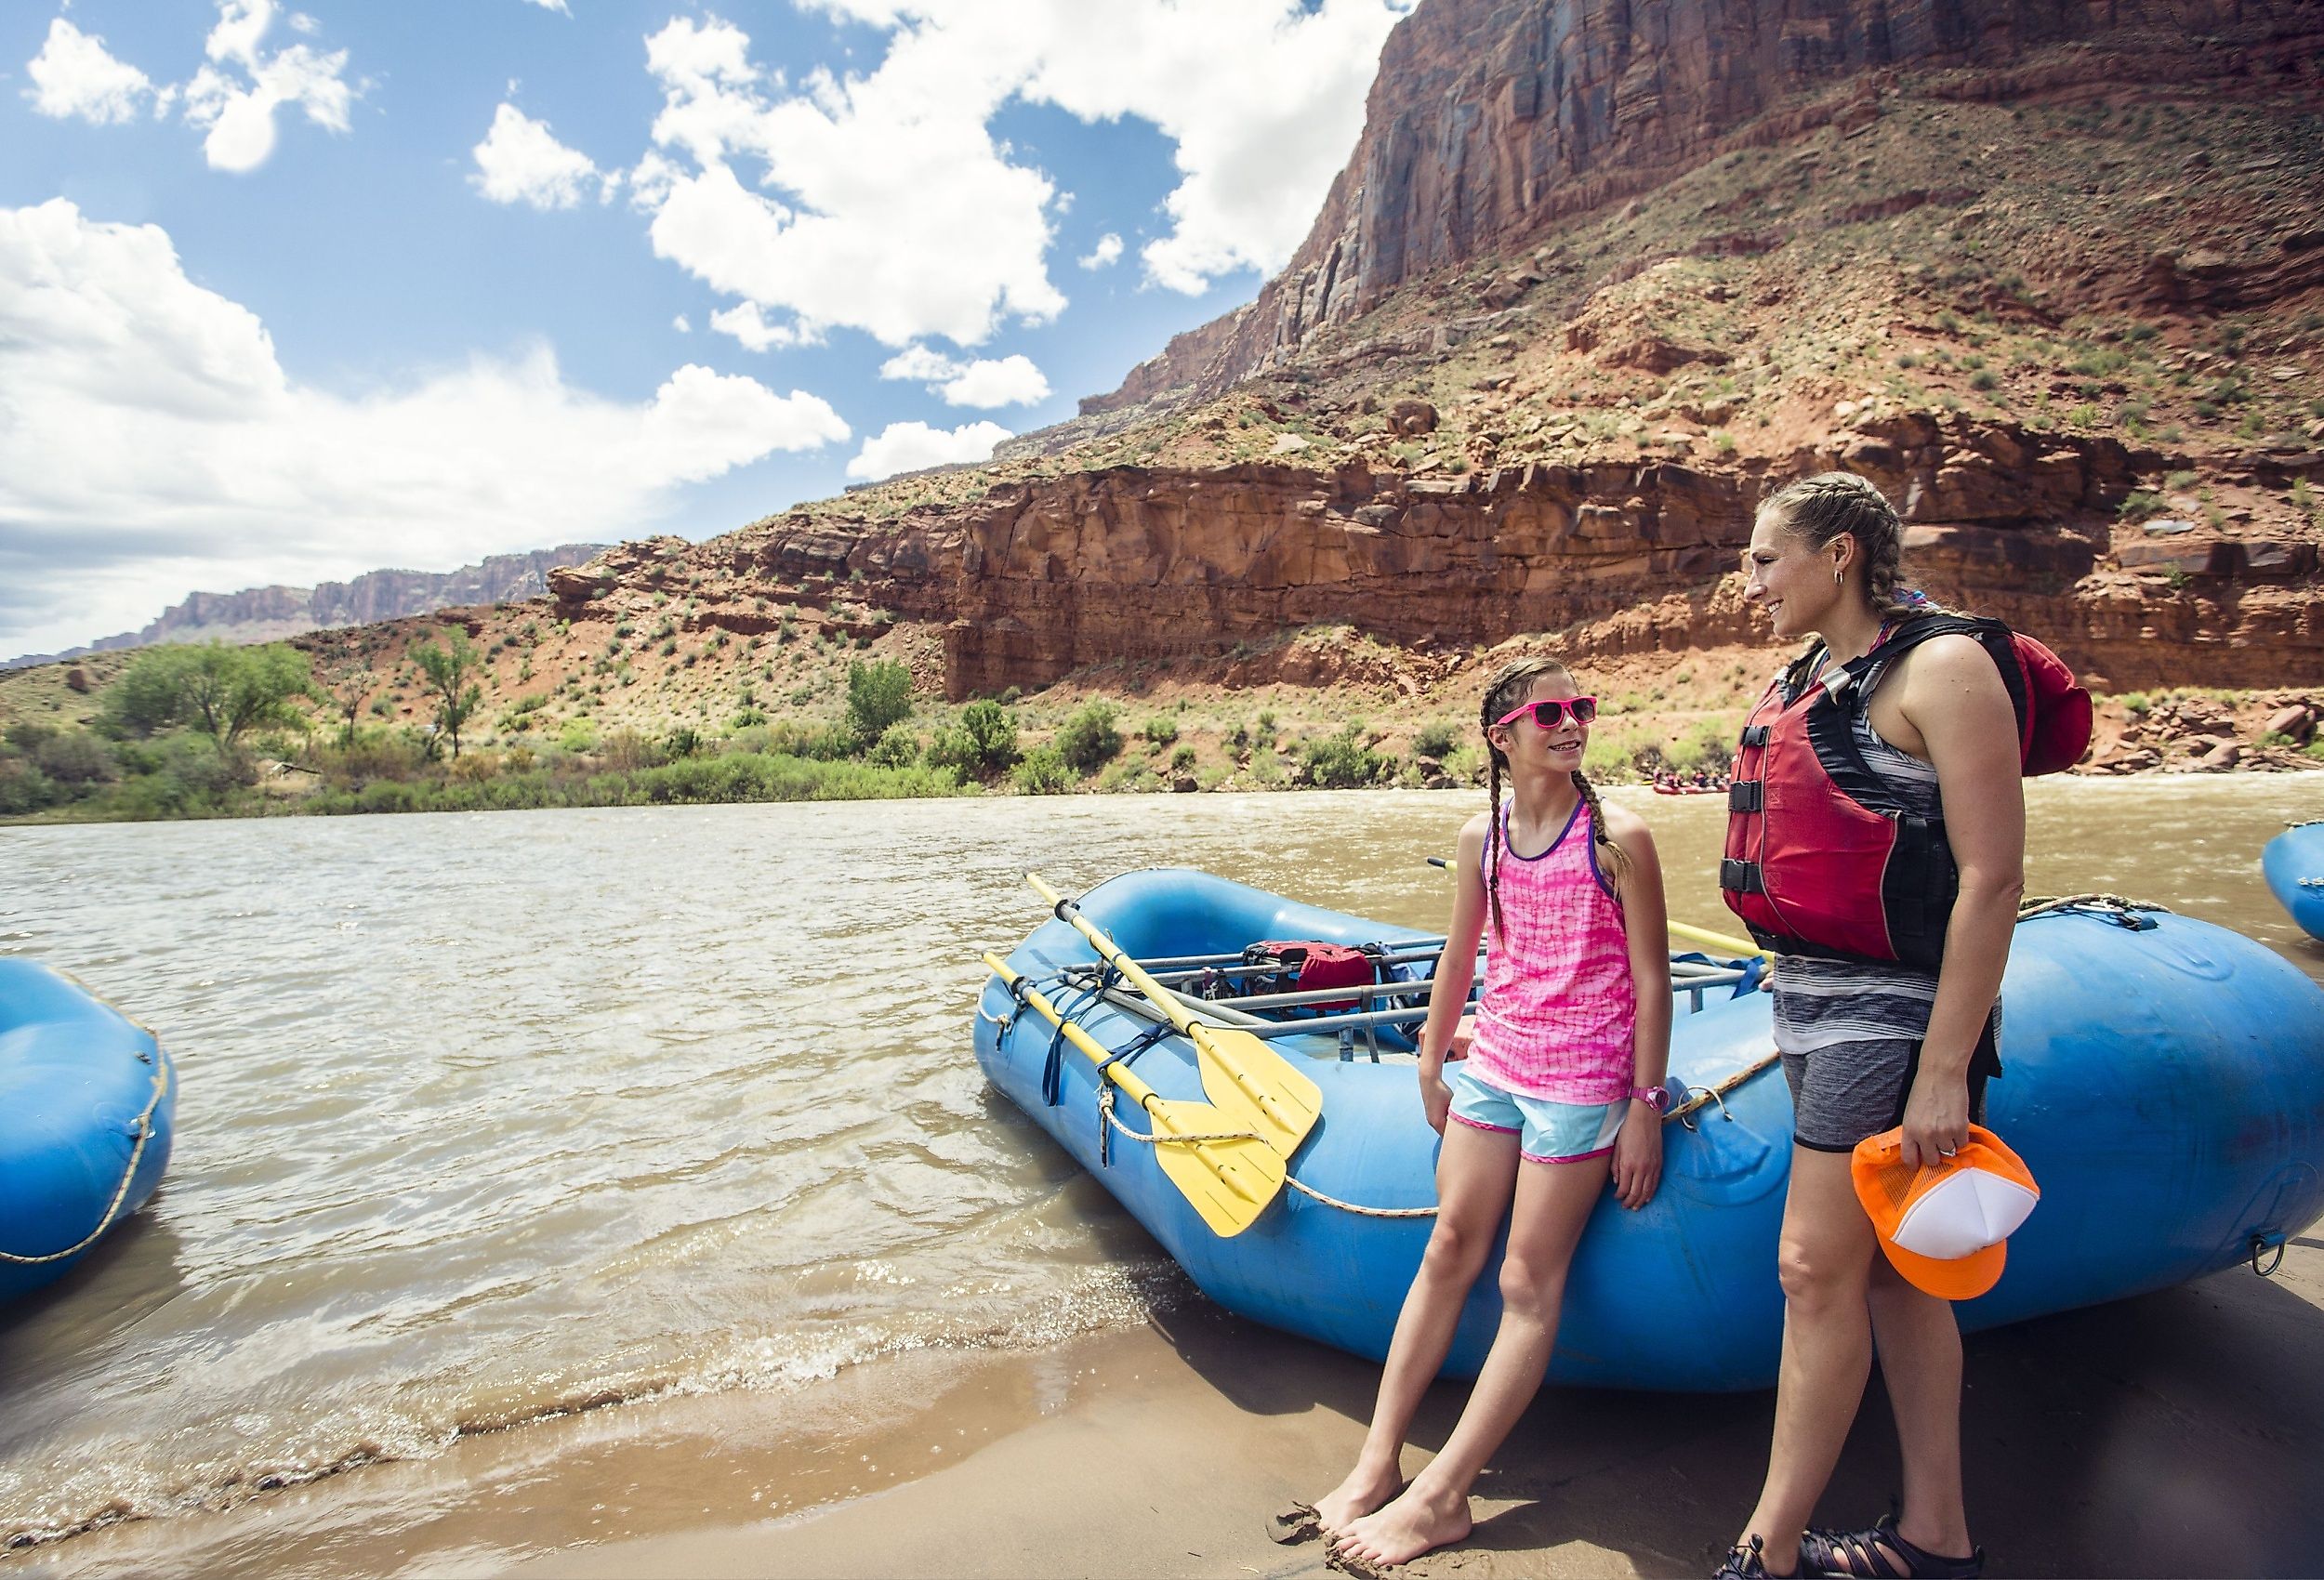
(2165, 1083)
(2294, 864)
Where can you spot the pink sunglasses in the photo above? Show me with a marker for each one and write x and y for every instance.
(1549, 712)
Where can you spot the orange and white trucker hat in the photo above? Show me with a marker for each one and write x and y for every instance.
(1944, 1224)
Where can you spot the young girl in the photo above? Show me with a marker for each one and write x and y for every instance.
(1573, 1033)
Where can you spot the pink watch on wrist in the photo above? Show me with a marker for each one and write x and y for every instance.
(1655, 1098)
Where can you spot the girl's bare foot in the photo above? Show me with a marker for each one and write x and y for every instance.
(1363, 1492)
(1402, 1531)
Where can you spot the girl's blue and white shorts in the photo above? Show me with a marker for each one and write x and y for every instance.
(1546, 1131)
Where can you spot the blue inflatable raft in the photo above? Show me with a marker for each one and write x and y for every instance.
(2294, 864)
(87, 1099)
(2165, 1083)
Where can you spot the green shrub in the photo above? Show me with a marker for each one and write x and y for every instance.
(1183, 759)
(897, 747)
(1436, 738)
(1088, 741)
(1160, 731)
(1044, 772)
(981, 744)
(1344, 762)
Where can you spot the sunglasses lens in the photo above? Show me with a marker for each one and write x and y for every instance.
(1585, 710)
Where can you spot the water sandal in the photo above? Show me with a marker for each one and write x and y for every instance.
(1876, 1554)
(1742, 1563)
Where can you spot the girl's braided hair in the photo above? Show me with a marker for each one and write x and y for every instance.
(1504, 691)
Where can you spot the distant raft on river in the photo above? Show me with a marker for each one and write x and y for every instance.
(2164, 1081)
(87, 1098)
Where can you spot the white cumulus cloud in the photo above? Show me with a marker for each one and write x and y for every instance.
(557, 6)
(75, 75)
(881, 201)
(745, 322)
(985, 383)
(521, 161)
(236, 94)
(152, 442)
(878, 203)
(908, 447)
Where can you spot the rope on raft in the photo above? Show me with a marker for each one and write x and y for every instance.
(1106, 1111)
(141, 1127)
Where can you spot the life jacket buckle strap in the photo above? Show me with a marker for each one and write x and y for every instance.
(1755, 734)
(1741, 878)
(1746, 795)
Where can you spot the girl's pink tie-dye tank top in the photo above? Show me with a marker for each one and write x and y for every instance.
(1559, 1011)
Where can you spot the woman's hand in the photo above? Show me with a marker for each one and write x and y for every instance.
(1638, 1156)
(1435, 1100)
(1937, 1117)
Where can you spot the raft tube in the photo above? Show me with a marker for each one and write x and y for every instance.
(2165, 1083)
(2294, 864)
(89, 1099)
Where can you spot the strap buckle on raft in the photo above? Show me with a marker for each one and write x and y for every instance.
(2273, 1239)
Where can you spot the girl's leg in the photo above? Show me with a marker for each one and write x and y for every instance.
(1919, 1350)
(1553, 1203)
(1826, 1264)
(1474, 1171)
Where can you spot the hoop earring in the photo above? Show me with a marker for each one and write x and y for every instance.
(1838, 576)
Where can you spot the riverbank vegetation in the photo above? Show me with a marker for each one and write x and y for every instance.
(223, 732)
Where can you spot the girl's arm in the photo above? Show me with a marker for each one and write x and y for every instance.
(1645, 919)
(1953, 695)
(1456, 972)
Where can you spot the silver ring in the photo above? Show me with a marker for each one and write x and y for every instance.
(1944, 1151)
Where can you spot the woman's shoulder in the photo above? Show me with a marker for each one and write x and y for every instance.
(1949, 669)
(1473, 833)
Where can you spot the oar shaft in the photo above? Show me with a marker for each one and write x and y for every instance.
(1268, 1030)
(1089, 1046)
(1136, 974)
(1739, 948)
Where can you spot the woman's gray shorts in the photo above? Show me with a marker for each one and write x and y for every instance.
(1846, 1091)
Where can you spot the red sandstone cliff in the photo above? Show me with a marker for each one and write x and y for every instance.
(1492, 119)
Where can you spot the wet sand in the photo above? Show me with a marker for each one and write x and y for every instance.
(2178, 1433)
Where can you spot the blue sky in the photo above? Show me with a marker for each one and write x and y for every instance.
(294, 291)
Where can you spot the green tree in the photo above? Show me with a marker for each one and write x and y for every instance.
(223, 692)
(879, 694)
(349, 693)
(448, 669)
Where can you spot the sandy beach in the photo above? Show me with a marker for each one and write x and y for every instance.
(2178, 1433)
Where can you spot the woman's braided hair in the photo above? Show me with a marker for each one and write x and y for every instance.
(1821, 508)
(1504, 691)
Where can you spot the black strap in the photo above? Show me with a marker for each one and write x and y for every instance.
(1755, 734)
(1746, 795)
(1741, 878)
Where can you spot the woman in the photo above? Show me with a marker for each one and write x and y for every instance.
(1871, 1044)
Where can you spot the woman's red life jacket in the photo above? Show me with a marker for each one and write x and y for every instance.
(1821, 858)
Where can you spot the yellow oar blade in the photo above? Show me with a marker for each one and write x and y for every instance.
(1228, 1179)
(1228, 1183)
(1249, 1081)
(1236, 1075)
